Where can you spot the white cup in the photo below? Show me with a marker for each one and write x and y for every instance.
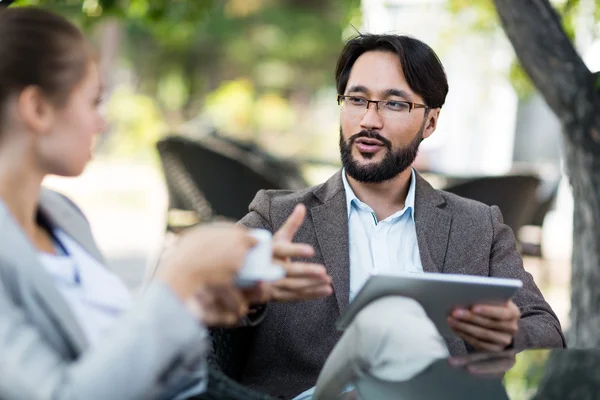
(258, 265)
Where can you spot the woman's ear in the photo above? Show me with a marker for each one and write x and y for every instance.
(35, 111)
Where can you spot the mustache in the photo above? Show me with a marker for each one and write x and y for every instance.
(370, 135)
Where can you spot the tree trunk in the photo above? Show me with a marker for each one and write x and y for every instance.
(558, 72)
(584, 175)
(569, 375)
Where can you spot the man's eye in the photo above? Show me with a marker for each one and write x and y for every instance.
(396, 105)
(357, 101)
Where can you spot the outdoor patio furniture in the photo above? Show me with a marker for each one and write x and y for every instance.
(211, 178)
(515, 195)
(221, 387)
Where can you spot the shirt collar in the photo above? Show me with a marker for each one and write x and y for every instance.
(353, 201)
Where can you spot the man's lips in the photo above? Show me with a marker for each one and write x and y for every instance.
(368, 145)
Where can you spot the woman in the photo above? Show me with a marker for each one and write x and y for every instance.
(68, 329)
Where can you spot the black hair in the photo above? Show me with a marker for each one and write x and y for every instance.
(422, 68)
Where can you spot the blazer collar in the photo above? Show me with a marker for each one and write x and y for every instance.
(424, 192)
(432, 224)
(66, 216)
(331, 228)
(328, 190)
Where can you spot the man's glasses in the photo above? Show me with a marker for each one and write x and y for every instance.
(356, 105)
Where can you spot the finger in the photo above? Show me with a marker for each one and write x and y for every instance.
(206, 298)
(257, 294)
(482, 334)
(306, 270)
(300, 283)
(498, 312)
(215, 314)
(479, 344)
(291, 225)
(221, 319)
(284, 249)
(313, 293)
(507, 326)
(248, 240)
(232, 300)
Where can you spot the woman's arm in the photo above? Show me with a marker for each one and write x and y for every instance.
(154, 349)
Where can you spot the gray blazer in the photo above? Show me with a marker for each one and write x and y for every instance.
(155, 351)
(455, 235)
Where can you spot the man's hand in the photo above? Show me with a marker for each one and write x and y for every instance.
(303, 281)
(486, 327)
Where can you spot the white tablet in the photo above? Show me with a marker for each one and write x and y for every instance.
(437, 293)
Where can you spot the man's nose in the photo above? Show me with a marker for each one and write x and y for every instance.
(371, 119)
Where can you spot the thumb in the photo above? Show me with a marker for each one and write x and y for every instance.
(291, 225)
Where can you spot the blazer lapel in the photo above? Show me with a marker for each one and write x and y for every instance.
(18, 252)
(67, 217)
(331, 227)
(432, 224)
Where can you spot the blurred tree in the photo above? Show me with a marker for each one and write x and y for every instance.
(182, 51)
(282, 45)
(483, 18)
(573, 92)
(543, 42)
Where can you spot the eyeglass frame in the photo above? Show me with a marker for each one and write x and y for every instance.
(411, 107)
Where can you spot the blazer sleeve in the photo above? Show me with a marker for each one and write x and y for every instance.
(539, 327)
(154, 351)
(259, 212)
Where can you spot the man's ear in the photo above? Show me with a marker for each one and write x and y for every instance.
(36, 112)
(431, 122)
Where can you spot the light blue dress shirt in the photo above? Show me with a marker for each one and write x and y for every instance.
(386, 247)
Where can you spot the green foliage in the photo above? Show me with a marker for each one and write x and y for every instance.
(136, 124)
(194, 58)
(480, 13)
(522, 380)
(520, 80)
(280, 44)
(156, 14)
(482, 17)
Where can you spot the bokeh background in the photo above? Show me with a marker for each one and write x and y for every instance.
(262, 72)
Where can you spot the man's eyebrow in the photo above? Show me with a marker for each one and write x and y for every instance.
(358, 88)
(387, 93)
(398, 93)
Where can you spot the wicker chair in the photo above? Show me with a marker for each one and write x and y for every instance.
(221, 387)
(515, 195)
(211, 178)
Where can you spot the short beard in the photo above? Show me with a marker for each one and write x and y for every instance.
(392, 164)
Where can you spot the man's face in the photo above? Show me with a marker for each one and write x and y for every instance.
(376, 145)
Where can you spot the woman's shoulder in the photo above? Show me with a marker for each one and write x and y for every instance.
(54, 200)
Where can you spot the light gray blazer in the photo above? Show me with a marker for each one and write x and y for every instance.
(154, 351)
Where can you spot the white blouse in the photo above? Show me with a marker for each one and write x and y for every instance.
(95, 294)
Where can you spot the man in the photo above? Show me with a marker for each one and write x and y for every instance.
(378, 215)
